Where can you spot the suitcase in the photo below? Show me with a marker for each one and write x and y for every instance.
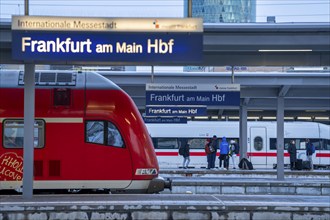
(306, 165)
(299, 164)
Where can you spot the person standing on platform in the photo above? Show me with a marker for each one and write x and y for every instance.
(213, 148)
(186, 155)
(234, 150)
(224, 151)
(292, 150)
(208, 152)
(310, 150)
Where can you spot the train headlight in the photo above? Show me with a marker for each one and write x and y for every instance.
(150, 171)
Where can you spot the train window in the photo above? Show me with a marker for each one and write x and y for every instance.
(166, 143)
(258, 143)
(273, 143)
(13, 135)
(197, 143)
(101, 132)
(326, 144)
(114, 137)
(300, 143)
(95, 132)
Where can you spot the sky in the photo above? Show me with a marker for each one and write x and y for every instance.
(283, 10)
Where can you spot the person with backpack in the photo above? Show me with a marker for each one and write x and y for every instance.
(224, 150)
(234, 150)
(184, 151)
(310, 150)
(211, 152)
(292, 150)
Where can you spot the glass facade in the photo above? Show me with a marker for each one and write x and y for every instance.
(225, 11)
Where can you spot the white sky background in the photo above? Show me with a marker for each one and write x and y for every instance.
(283, 10)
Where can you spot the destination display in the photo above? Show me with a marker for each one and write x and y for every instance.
(106, 39)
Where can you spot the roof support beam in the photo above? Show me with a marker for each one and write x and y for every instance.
(246, 101)
(283, 91)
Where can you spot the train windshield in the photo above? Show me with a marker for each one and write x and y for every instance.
(105, 133)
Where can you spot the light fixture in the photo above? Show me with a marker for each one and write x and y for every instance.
(308, 68)
(233, 117)
(291, 50)
(201, 117)
(253, 118)
(304, 118)
(321, 118)
(315, 110)
(269, 118)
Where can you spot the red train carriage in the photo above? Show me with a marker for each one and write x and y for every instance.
(88, 135)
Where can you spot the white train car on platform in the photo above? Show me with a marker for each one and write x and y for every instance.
(261, 146)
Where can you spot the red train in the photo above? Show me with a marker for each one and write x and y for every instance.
(88, 135)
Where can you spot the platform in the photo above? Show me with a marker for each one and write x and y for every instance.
(158, 206)
(248, 182)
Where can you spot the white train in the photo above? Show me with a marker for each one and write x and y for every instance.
(261, 147)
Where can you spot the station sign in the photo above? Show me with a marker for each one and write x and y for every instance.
(133, 40)
(165, 120)
(188, 95)
(178, 111)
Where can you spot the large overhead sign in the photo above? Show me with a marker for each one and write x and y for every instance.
(161, 40)
(188, 95)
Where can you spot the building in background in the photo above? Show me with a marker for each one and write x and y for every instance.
(225, 11)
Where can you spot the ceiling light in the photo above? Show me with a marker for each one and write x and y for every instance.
(291, 50)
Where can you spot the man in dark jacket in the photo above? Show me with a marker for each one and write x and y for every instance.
(212, 157)
(309, 152)
(292, 150)
(186, 153)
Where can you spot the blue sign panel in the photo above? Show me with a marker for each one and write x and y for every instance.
(168, 120)
(175, 111)
(162, 47)
(208, 98)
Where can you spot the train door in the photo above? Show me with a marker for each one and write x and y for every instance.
(258, 149)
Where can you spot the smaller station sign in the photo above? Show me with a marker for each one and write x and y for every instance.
(192, 95)
(165, 120)
(175, 111)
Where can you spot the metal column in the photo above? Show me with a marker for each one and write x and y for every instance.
(187, 8)
(28, 157)
(280, 137)
(243, 131)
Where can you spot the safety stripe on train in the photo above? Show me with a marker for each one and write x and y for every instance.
(254, 154)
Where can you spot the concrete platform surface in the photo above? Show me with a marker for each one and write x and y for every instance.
(256, 173)
(159, 206)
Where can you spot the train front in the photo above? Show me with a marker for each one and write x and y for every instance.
(135, 159)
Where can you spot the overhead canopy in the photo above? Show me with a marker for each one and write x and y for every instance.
(297, 44)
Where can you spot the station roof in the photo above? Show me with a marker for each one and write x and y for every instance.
(305, 93)
(249, 44)
(297, 44)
